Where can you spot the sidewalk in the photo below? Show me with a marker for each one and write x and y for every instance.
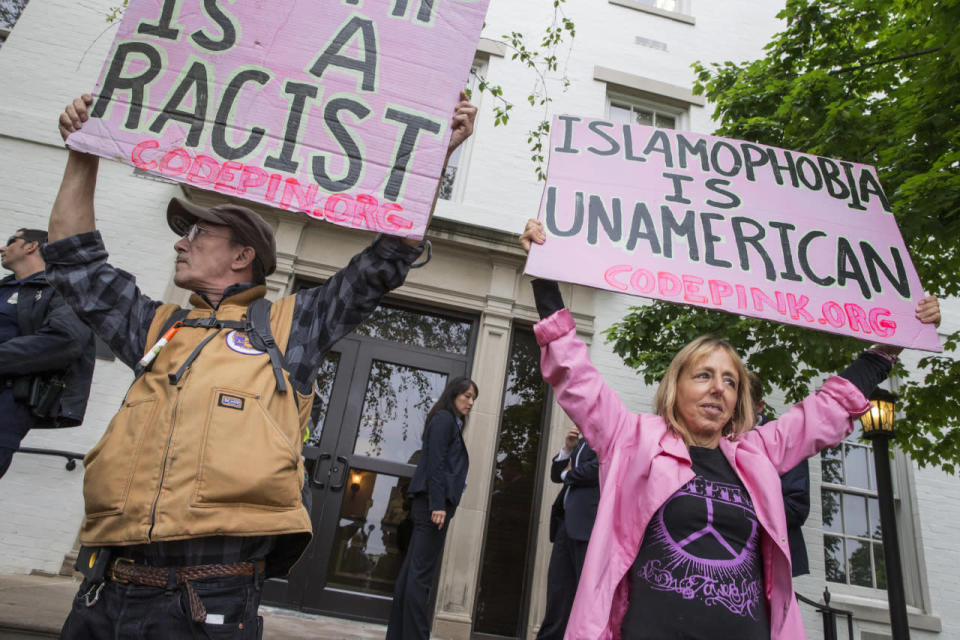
(33, 606)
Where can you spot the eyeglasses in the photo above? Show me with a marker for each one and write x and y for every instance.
(13, 239)
(195, 230)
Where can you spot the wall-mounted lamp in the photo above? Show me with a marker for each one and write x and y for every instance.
(878, 421)
(878, 428)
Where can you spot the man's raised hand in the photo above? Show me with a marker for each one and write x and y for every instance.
(74, 115)
(464, 116)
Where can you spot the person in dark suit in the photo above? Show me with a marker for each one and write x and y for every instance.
(571, 522)
(435, 489)
(795, 485)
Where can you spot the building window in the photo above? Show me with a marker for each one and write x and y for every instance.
(453, 181)
(634, 111)
(852, 541)
(510, 545)
(678, 10)
(666, 5)
(10, 11)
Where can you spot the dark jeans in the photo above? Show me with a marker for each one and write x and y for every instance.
(563, 575)
(134, 612)
(410, 612)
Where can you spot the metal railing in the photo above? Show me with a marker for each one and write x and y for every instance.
(830, 615)
(71, 456)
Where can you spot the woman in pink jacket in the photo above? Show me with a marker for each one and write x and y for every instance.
(690, 539)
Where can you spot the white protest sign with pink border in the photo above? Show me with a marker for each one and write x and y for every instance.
(339, 109)
(730, 225)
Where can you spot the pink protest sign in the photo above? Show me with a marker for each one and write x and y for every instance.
(338, 109)
(727, 224)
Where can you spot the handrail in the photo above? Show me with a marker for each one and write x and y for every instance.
(829, 615)
(69, 455)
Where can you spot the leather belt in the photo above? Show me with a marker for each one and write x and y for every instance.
(125, 571)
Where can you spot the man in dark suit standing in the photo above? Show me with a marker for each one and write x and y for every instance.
(795, 485)
(571, 521)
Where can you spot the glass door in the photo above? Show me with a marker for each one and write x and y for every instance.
(365, 525)
(373, 393)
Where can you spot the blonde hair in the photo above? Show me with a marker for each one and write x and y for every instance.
(665, 399)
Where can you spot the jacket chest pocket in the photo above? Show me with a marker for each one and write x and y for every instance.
(110, 465)
(246, 458)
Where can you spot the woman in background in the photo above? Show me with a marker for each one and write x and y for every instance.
(435, 489)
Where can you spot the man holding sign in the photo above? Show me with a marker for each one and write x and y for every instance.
(192, 496)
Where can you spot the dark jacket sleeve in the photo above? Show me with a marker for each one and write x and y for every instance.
(586, 474)
(556, 468)
(56, 344)
(440, 433)
(796, 494)
(104, 297)
(325, 313)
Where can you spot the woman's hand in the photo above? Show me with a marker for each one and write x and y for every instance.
(927, 312)
(438, 518)
(533, 232)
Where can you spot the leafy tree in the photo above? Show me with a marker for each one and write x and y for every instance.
(871, 81)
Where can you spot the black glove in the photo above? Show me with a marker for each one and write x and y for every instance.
(546, 293)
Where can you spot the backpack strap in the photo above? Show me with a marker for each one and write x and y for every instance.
(261, 336)
(257, 328)
(178, 315)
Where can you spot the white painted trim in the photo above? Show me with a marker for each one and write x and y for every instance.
(492, 47)
(648, 86)
(873, 610)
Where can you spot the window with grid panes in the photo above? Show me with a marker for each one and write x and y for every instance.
(620, 110)
(852, 542)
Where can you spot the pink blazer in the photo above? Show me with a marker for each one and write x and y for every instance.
(643, 463)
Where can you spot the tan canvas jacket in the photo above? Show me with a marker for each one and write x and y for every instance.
(216, 454)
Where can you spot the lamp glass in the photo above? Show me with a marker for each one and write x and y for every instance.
(879, 419)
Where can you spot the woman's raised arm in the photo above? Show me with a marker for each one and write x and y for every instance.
(565, 364)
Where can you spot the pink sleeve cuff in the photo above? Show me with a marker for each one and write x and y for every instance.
(846, 394)
(553, 326)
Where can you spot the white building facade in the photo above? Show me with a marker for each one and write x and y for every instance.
(630, 59)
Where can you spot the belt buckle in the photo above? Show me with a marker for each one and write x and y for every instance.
(113, 574)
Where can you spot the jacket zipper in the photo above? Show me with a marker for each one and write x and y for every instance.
(163, 469)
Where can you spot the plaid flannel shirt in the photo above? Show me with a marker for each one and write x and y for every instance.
(109, 301)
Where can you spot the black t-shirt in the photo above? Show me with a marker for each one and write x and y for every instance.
(698, 574)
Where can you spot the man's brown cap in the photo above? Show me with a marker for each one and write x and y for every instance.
(248, 228)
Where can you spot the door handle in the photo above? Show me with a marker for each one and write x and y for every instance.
(343, 473)
(315, 480)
